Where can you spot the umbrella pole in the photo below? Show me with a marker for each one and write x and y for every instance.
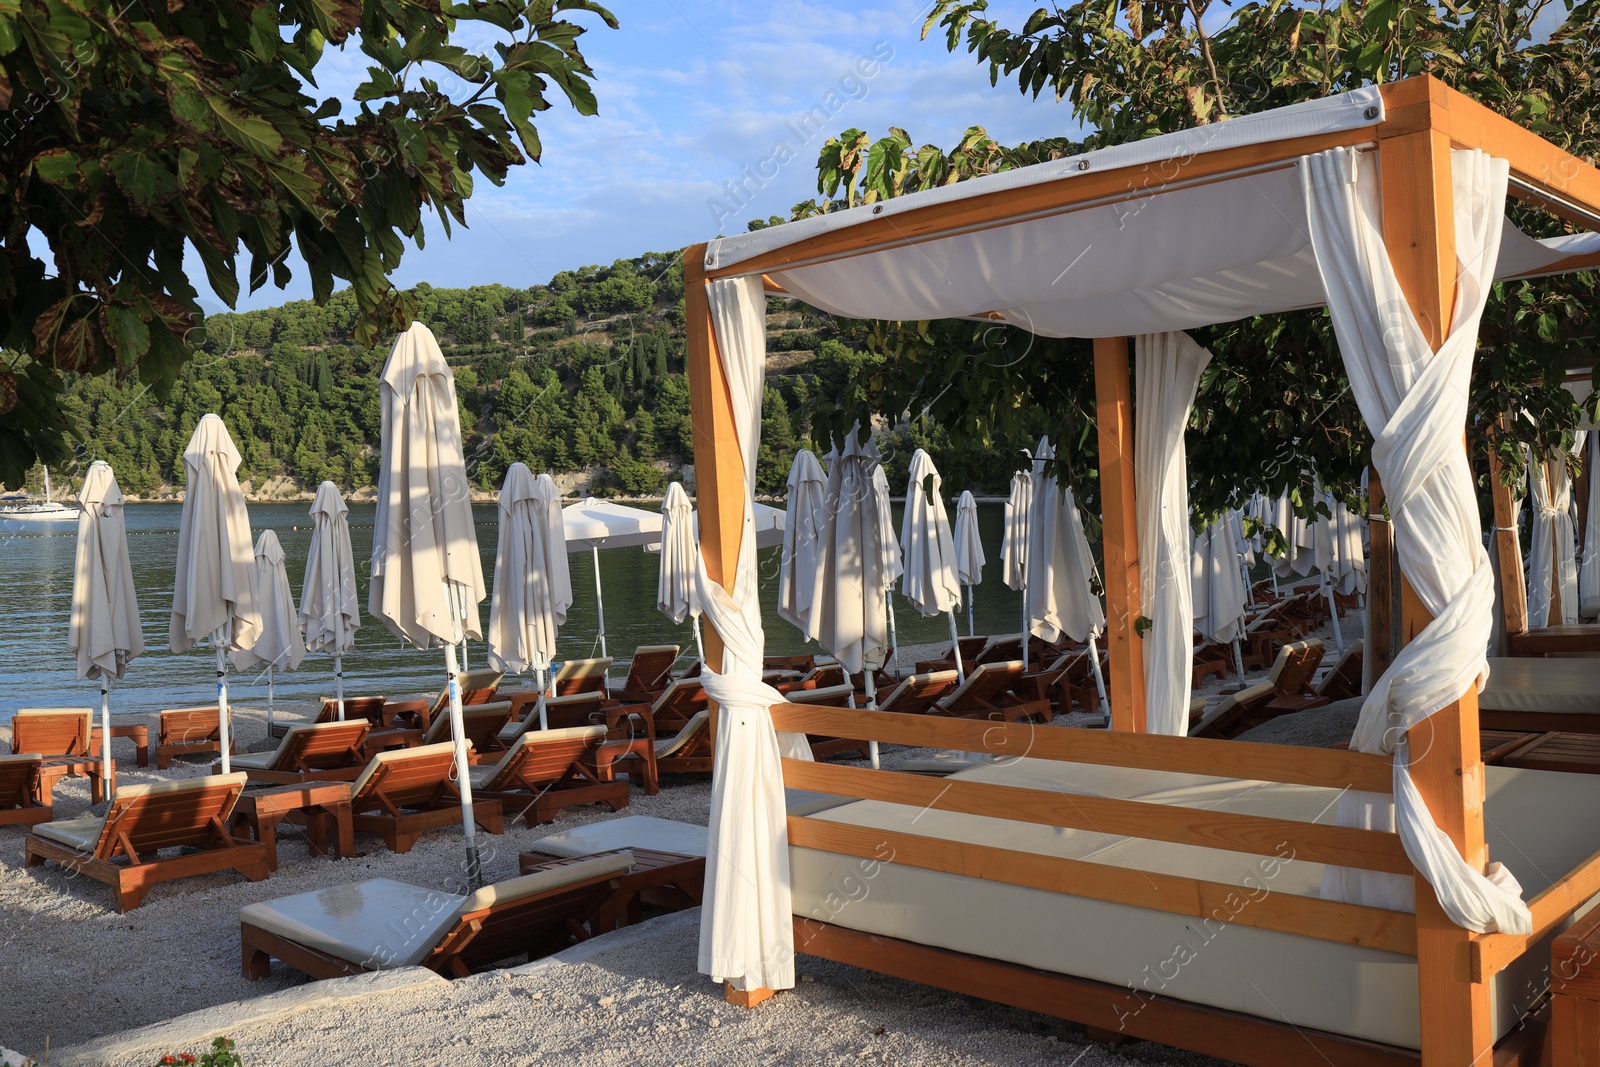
(955, 646)
(1238, 658)
(223, 732)
(463, 779)
(1024, 627)
(338, 684)
(970, 606)
(867, 671)
(544, 720)
(1099, 679)
(1249, 593)
(699, 644)
(894, 637)
(1333, 613)
(599, 600)
(269, 694)
(108, 766)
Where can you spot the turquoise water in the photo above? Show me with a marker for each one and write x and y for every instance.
(36, 593)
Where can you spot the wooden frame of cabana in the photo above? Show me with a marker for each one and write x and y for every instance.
(1423, 121)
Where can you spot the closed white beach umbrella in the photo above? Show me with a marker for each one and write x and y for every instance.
(104, 631)
(532, 585)
(929, 580)
(279, 647)
(214, 588)
(802, 530)
(1217, 587)
(1552, 555)
(893, 566)
(427, 577)
(969, 550)
(849, 618)
(330, 611)
(675, 594)
(1059, 599)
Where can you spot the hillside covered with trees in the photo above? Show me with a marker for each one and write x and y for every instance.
(585, 374)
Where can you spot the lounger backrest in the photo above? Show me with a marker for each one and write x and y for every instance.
(985, 684)
(19, 779)
(1345, 677)
(179, 725)
(477, 687)
(543, 757)
(319, 746)
(169, 814)
(831, 696)
(582, 676)
(52, 731)
(651, 668)
(1218, 721)
(522, 701)
(920, 692)
(683, 697)
(1000, 649)
(826, 674)
(1295, 665)
(690, 732)
(480, 723)
(369, 708)
(406, 777)
(579, 709)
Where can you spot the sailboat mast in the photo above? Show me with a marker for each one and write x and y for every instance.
(47, 484)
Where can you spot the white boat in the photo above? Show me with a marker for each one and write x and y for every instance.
(38, 511)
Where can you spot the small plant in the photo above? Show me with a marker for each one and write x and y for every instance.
(221, 1055)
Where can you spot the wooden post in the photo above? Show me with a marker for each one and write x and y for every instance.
(719, 479)
(1419, 233)
(1507, 550)
(1380, 581)
(1114, 414)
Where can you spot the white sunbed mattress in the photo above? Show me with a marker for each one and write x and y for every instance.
(1545, 685)
(1539, 824)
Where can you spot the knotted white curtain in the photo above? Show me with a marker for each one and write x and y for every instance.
(1167, 369)
(746, 931)
(1415, 402)
(1553, 546)
(1589, 569)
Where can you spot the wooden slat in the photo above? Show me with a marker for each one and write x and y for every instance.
(1114, 419)
(1325, 920)
(1492, 953)
(1113, 1010)
(1326, 767)
(1259, 835)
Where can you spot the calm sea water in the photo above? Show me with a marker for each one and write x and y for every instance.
(36, 670)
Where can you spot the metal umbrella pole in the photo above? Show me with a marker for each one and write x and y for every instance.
(338, 683)
(894, 636)
(218, 638)
(108, 766)
(600, 600)
(970, 605)
(867, 671)
(955, 646)
(469, 826)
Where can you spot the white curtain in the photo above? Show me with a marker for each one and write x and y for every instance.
(1552, 549)
(1589, 570)
(1415, 402)
(1167, 373)
(746, 931)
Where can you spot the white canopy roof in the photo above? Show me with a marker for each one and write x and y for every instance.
(1201, 252)
(594, 523)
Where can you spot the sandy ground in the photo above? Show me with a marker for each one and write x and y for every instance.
(76, 970)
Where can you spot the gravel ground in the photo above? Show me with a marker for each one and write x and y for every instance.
(178, 953)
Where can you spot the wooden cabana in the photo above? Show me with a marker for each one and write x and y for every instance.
(1007, 222)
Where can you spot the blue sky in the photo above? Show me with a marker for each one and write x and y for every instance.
(691, 94)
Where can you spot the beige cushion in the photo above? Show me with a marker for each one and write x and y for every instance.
(20, 757)
(1544, 685)
(546, 881)
(82, 833)
(181, 785)
(1275, 675)
(817, 696)
(642, 649)
(268, 761)
(670, 745)
(672, 690)
(583, 668)
(628, 831)
(1228, 703)
(487, 775)
(982, 670)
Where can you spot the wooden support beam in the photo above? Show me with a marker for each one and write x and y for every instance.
(1419, 233)
(1508, 550)
(718, 476)
(1124, 646)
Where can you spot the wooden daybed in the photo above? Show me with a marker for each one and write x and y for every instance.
(1019, 898)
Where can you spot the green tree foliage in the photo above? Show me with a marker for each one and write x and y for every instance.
(136, 133)
(1274, 406)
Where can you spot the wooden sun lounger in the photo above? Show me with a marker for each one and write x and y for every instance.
(481, 723)
(649, 674)
(62, 736)
(381, 924)
(1286, 690)
(1556, 640)
(581, 676)
(122, 847)
(547, 771)
(1209, 659)
(403, 794)
(969, 647)
(988, 693)
(369, 708)
(21, 799)
(681, 701)
(630, 741)
(832, 696)
(921, 693)
(689, 751)
(1069, 680)
(1343, 679)
(323, 750)
(188, 732)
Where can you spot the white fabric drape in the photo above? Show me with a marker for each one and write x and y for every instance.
(1060, 598)
(279, 645)
(1552, 551)
(1415, 402)
(675, 583)
(532, 585)
(104, 631)
(1218, 586)
(929, 580)
(1589, 570)
(1014, 541)
(746, 923)
(330, 609)
(214, 587)
(1167, 374)
(797, 589)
